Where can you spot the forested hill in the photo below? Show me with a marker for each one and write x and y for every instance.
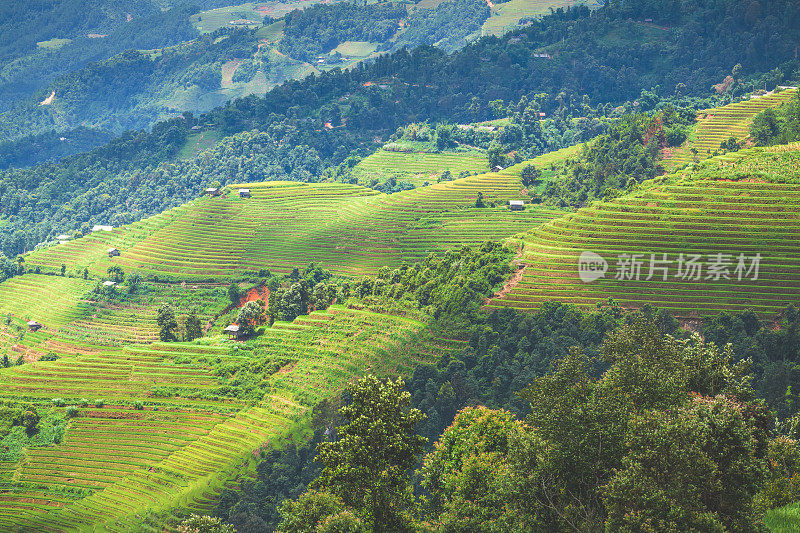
(37, 45)
(597, 60)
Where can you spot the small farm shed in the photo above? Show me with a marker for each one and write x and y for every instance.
(497, 168)
(35, 326)
(232, 331)
(100, 227)
(516, 205)
(109, 283)
(244, 193)
(213, 191)
(113, 252)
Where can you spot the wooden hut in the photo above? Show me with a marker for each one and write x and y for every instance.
(113, 252)
(232, 331)
(244, 193)
(34, 326)
(516, 205)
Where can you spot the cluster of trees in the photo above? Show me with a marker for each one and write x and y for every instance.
(22, 85)
(298, 293)
(777, 125)
(773, 351)
(447, 26)
(321, 28)
(170, 329)
(589, 456)
(627, 154)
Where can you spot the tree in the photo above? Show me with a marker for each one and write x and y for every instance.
(204, 524)
(134, 280)
(367, 466)
(85, 273)
(167, 323)
(116, 274)
(766, 127)
(473, 480)
(63, 269)
(308, 511)
(479, 200)
(715, 448)
(193, 327)
(251, 315)
(234, 293)
(444, 137)
(530, 175)
(497, 156)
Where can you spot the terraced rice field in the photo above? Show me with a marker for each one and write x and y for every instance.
(122, 469)
(417, 167)
(50, 300)
(717, 125)
(687, 215)
(505, 16)
(349, 229)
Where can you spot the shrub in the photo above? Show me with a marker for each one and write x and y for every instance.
(138, 405)
(99, 402)
(84, 402)
(71, 411)
(58, 402)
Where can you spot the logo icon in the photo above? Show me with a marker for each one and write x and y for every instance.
(591, 267)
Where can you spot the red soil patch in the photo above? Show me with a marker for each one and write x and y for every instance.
(509, 285)
(256, 293)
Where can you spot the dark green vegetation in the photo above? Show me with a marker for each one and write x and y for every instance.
(620, 159)
(105, 32)
(45, 147)
(692, 405)
(320, 29)
(448, 26)
(777, 125)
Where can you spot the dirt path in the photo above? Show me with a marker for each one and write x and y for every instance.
(509, 285)
(512, 282)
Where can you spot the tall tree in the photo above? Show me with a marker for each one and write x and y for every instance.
(367, 465)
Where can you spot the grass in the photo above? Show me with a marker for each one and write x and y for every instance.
(698, 212)
(417, 167)
(357, 49)
(53, 44)
(214, 19)
(50, 300)
(197, 142)
(784, 520)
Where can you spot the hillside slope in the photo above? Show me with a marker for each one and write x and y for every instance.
(348, 229)
(738, 205)
(122, 467)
